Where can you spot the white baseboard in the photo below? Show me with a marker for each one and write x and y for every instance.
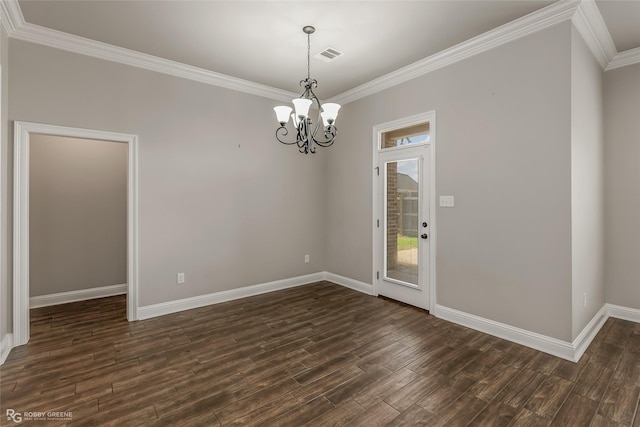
(5, 347)
(356, 285)
(149, 311)
(624, 313)
(73, 296)
(584, 338)
(570, 351)
(534, 340)
(563, 349)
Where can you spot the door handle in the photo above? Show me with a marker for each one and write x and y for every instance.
(424, 236)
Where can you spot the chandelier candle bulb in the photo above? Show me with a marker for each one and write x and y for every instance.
(302, 107)
(325, 119)
(282, 114)
(330, 111)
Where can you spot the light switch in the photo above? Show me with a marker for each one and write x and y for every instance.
(446, 201)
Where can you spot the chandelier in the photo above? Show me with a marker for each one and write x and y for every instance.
(307, 137)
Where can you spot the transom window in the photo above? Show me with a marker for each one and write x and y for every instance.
(417, 134)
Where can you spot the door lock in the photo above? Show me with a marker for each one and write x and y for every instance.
(424, 224)
(424, 236)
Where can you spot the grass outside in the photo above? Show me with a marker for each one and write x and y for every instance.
(406, 242)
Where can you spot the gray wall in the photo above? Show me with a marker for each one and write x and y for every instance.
(6, 275)
(587, 181)
(77, 214)
(504, 152)
(220, 198)
(622, 185)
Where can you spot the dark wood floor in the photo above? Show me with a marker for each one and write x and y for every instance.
(318, 355)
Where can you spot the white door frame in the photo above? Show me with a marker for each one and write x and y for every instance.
(22, 133)
(378, 130)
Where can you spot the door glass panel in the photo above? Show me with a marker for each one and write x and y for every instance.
(401, 221)
(416, 134)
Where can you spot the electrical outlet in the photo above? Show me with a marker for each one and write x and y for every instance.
(306, 258)
(446, 201)
(180, 278)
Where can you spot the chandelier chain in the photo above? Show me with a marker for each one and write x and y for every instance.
(308, 56)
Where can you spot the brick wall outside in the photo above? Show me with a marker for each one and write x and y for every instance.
(393, 215)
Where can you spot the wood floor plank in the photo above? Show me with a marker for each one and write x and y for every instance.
(441, 397)
(543, 363)
(416, 390)
(620, 401)
(593, 381)
(526, 418)
(340, 415)
(462, 411)
(264, 415)
(325, 368)
(319, 354)
(191, 402)
(576, 410)
(549, 397)
(570, 370)
(608, 354)
(406, 356)
(191, 418)
(520, 389)
(600, 421)
(414, 416)
(482, 364)
(379, 415)
(495, 414)
(629, 367)
(328, 383)
(349, 388)
(493, 382)
(379, 390)
(619, 332)
(302, 414)
(255, 401)
(451, 366)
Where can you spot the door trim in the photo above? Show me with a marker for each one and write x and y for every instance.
(22, 132)
(378, 130)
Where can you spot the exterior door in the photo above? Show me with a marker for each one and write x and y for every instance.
(404, 225)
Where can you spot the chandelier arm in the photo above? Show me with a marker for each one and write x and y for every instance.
(284, 131)
(305, 144)
(301, 138)
(330, 133)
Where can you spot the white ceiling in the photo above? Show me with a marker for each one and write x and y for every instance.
(623, 22)
(263, 42)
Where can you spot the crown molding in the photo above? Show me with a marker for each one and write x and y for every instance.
(11, 15)
(529, 24)
(622, 59)
(21, 30)
(589, 23)
(583, 13)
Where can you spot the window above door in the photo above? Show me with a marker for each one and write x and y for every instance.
(407, 136)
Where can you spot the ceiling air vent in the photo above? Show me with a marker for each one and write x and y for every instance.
(328, 55)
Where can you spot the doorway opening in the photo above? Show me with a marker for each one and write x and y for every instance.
(404, 201)
(25, 134)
